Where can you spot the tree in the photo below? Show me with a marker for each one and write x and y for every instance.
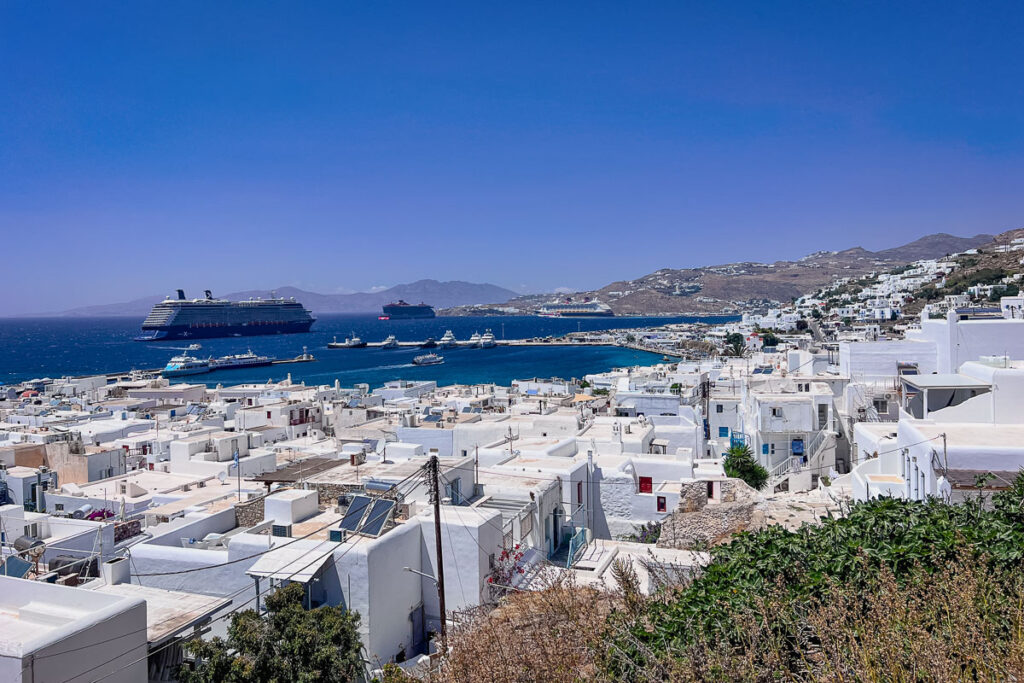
(290, 643)
(816, 313)
(740, 464)
(769, 339)
(735, 344)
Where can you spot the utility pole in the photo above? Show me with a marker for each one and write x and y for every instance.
(433, 472)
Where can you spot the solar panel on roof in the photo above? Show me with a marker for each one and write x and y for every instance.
(354, 514)
(432, 418)
(377, 517)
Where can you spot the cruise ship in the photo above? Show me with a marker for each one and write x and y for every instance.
(575, 309)
(181, 318)
(401, 310)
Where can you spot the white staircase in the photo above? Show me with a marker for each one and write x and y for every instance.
(780, 474)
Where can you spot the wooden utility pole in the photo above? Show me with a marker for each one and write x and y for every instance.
(434, 473)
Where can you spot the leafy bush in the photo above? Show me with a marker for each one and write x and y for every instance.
(289, 643)
(739, 463)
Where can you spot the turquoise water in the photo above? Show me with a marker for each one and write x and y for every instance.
(52, 347)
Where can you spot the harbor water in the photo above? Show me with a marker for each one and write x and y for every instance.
(53, 347)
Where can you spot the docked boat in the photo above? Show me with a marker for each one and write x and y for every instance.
(240, 360)
(474, 341)
(487, 340)
(181, 318)
(428, 359)
(352, 342)
(390, 343)
(431, 343)
(447, 341)
(184, 364)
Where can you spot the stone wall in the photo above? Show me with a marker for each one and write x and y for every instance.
(249, 513)
(697, 524)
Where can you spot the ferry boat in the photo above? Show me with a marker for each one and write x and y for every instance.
(184, 364)
(448, 340)
(240, 360)
(487, 340)
(428, 359)
(474, 341)
(390, 343)
(570, 309)
(400, 310)
(181, 318)
(352, 342)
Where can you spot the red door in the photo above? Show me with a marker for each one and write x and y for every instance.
(646, 485)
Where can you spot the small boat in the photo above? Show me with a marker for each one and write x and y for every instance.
(390, 343)
(383, 317)
(352, 342)
(184, 364)
(447, 341)
(487, 340)
(474, 341)
(428, 359)
(429, 344)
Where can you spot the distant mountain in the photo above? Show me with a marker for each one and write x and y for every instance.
(933, 246)
(732, 286)
(437, 294)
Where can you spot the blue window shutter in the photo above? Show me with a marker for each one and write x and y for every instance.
(764, 449)
(723, 432)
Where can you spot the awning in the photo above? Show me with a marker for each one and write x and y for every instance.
(947, 381)
(293, 564)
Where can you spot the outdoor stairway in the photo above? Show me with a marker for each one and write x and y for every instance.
(780, 474)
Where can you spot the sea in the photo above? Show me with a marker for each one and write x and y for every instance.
(32, 348)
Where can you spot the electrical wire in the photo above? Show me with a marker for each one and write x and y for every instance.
(237, 609)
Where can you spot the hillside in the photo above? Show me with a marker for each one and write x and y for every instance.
(437, 294)
(730, 286)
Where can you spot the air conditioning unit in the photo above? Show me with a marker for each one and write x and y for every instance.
(281, 530)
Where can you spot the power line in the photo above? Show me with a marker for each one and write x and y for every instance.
(240, 591)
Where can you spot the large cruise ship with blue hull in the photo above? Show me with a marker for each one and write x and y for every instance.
(206, 318)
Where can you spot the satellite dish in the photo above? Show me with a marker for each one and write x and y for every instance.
(223, 476)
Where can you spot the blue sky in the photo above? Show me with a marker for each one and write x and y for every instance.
(340, 146)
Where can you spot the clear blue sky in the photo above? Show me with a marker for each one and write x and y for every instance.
(343, 145)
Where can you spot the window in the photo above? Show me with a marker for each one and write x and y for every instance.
(723, 432)
(881, 406)
(662, 504)
(268, 414)
(579, 493)
(776, 412)
(764, 449)
(711, 490)
(464, 453)
(646, 485)
(719, 408)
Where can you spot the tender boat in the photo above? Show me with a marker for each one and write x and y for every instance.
(352, 342)
(428, 359)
